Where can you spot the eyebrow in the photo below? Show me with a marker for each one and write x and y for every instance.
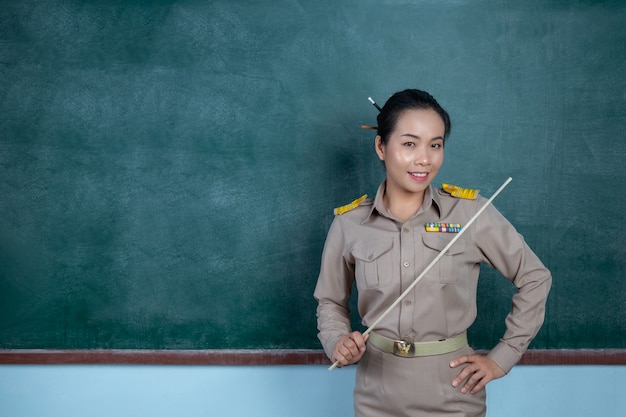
(410, 135)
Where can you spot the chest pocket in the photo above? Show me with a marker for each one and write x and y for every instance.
(373, 262)
(450, 268)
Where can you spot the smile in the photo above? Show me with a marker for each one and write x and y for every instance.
(420, 175)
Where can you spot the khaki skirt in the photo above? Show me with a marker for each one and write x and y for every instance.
(393, 386)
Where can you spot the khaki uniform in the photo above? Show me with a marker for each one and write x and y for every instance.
(384, 256)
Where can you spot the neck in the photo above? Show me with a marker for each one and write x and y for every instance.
(401, 204)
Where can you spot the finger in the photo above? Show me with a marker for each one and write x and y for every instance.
(461, 360)
(481, 384)
(462, 376)
(365, 338)
(478, 384)
(342, 360)
(350, 348)
(339, 353)
(475, 379)
(339, 359)
(344, 356)
(359, 340)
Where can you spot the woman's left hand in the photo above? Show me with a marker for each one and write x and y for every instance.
(479, 371)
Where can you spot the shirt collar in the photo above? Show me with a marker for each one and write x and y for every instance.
(431, 198)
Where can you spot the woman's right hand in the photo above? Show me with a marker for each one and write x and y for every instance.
(349, 349)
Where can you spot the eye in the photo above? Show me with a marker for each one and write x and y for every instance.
(437, 145)
(409, 144)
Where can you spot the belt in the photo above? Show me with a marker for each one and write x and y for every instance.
(408, 348)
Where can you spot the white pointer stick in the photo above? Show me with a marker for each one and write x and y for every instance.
(428, 268)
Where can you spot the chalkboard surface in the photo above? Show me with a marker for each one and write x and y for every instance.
(168, 169)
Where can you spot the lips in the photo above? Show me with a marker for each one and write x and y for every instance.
(419, 175)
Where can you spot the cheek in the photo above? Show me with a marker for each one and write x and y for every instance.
(395, 160)
(406, 157)
(438, 160)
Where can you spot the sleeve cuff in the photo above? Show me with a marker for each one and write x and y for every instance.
(504, 356)
(329, 346)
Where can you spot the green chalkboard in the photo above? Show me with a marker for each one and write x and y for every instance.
(168, 169)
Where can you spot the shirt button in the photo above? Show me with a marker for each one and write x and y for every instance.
(405, 230)
(407, 302)
(407, 264)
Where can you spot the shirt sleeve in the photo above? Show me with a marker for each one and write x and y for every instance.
(333, 289)
(505, 249)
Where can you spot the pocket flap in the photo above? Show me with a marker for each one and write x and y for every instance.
(439, 241)
(370, 250)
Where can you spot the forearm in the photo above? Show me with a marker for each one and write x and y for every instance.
(333, 321)
(525, 319)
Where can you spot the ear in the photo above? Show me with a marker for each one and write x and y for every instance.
(380, 148)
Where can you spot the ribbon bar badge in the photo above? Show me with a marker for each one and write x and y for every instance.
(443, 227)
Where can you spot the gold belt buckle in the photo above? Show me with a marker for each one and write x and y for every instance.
(404, 348)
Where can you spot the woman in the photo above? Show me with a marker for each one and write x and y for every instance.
(417, 361)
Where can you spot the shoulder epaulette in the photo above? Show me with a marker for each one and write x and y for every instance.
(351, 206)
(456, 191)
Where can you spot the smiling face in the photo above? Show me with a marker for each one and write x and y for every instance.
(413, 155)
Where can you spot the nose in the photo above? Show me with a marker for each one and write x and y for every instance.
(421, 156)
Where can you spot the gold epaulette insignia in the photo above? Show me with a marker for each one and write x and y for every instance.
(456, 191)
(351, 206)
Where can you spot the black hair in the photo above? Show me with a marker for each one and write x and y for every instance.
(407, 100)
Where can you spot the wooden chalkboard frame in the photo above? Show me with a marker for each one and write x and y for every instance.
(266, 357)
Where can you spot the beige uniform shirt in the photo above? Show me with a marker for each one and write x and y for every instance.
(385, 255)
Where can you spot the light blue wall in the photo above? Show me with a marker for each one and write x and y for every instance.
(278, 391)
